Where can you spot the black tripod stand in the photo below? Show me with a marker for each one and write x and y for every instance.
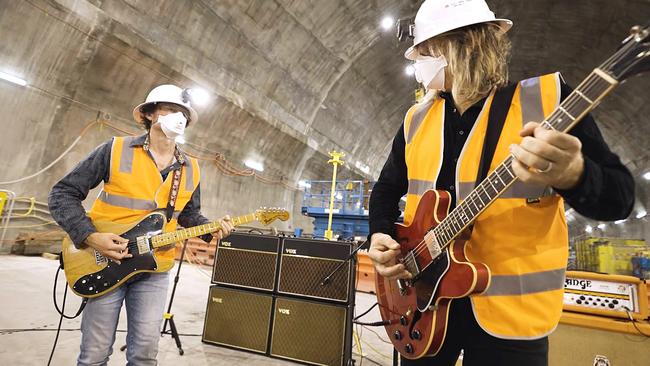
(168, 316)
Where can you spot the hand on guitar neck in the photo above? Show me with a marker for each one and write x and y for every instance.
(226, 227)
(109, 245)
(383, 251)
(547, 157)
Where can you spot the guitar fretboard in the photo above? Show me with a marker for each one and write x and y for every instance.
(582, 100)
(211, 227)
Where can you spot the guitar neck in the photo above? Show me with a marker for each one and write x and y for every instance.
(582, 100)
(192, 232)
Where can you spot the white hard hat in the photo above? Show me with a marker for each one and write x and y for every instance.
(167, 94)
(439, 16)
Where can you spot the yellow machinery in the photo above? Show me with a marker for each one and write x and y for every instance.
(336, 161)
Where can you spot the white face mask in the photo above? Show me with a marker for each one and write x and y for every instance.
(430, 71)
(173, 125)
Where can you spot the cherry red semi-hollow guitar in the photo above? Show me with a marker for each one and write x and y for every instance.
(415, 312)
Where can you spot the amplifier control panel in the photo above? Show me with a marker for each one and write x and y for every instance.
(608, 295)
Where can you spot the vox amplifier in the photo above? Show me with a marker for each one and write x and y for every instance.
(247, 260)
(304, 264)
(606, 295)
(312, 332)
(238, 318)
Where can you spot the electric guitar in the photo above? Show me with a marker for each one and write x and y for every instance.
(415, 312)
(91, 274)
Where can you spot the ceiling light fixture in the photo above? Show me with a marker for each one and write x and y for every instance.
(601, 226)
(641, 214)
(618, 222)
(589, 229)
(199, 96)
(254, 165)
(12, 79)
(387, 23)
(646, 176)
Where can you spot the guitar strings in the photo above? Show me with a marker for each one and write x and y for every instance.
(571, 101)
(574, 98)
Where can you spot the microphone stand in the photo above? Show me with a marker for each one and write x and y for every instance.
(328, 278)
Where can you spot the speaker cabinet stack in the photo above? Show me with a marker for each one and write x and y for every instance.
(271, 296)
(238, 318)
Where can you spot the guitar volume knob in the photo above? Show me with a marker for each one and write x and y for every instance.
(416, 334)
(403, 320)
(397, 335)
(408, 348)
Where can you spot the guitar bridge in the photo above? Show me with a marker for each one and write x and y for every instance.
(411, 264)
(143, 244)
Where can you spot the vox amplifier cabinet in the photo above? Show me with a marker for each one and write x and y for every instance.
(605, 295)
(247, 260)
(313, 332)
(304, 264)
(238, 318)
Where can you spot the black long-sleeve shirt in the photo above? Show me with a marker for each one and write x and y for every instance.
(66, 196)
(604, 192)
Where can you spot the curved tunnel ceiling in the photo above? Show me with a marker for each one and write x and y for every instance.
(294, 77)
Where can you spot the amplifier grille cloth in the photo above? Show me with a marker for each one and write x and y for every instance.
(301, 275)
(308, 331)
(238, 318)
(245, 268)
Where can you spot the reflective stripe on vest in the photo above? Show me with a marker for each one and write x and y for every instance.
(528, 283)
(532, 109)
(126, 157)
(126, 202)
(524, 245)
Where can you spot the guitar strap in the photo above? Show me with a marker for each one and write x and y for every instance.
(176, 182)
(496, 119)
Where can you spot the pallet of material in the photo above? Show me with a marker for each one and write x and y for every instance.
(37, 243)
(197, 251)
(365, 273)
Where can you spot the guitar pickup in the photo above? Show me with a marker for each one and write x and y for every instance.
(432, 244)
(143, 244)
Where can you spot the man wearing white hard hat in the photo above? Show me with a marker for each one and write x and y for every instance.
(141, 174)
(460, 55)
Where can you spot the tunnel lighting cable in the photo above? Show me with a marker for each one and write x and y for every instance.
(74, 143)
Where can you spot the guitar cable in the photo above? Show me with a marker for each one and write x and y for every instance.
(61, 311)
(634, 321)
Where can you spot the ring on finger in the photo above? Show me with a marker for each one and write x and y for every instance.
(547, 169)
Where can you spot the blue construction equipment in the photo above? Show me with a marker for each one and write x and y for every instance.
(350, 213)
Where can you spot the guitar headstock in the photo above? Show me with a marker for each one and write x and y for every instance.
(633, 57)
(268, 215)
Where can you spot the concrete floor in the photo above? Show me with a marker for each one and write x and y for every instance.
(26, 288)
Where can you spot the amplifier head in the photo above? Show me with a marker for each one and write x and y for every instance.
(246, 260)
(604, 294)
(309, 331)
(238, 318)
(305, 263)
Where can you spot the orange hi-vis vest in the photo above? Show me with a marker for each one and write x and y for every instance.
(522, 237)
(135, 188)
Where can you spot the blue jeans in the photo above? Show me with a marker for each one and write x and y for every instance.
(145, 295)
